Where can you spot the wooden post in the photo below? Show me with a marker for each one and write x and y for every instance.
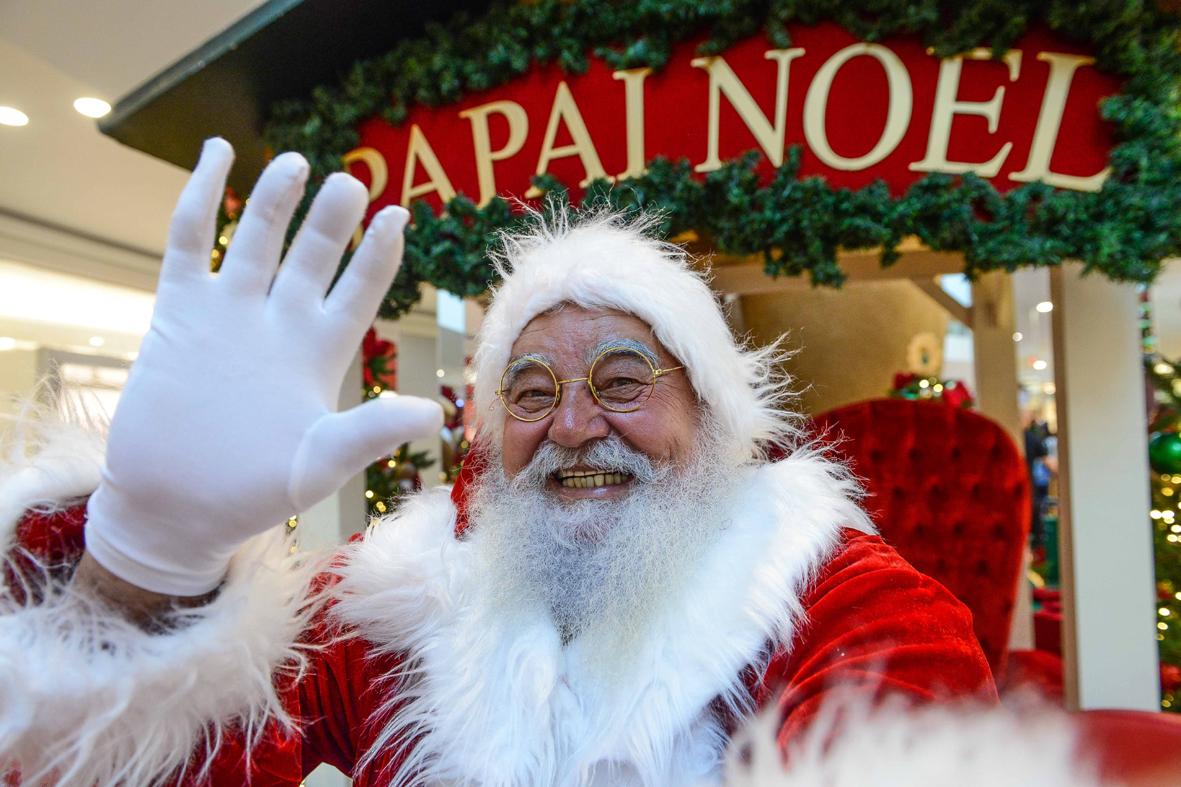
(993, 322)
(1109, 632)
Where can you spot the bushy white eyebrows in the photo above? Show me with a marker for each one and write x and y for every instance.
(622, 344)
(591, 355)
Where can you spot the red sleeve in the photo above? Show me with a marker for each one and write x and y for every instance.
(874, 626)
(333, 700)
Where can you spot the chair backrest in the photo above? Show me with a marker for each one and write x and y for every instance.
(948, 489)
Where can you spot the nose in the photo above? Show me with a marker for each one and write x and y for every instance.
(577, 418)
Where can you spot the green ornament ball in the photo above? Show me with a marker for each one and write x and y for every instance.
(1164, 452)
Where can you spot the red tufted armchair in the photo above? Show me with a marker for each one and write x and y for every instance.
(948, 489)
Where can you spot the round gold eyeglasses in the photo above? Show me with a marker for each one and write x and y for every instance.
(621, 379)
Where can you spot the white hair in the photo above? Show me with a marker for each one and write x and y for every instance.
(598, 259)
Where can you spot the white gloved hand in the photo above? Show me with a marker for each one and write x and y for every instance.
(228, 423)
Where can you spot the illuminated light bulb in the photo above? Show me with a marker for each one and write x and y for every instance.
(1018, 336)
(92, 107)
(97, 341)
(938, 388)
(380, 506)
(223, 240)
(923, 383)
(439, 373)
(392, 463)
(1162, 368)
(1045, 307)
(369, 493)
(1039, 365)
(1154, 514)
(1165, 612)
(377, 389)
(11, 116)
(1162, 626)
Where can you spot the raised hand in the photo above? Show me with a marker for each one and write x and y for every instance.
(228, 423)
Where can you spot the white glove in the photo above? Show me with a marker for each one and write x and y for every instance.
(228, 423)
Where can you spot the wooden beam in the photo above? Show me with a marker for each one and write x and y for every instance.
(749, 278)
(957, 310)
(1105, 536)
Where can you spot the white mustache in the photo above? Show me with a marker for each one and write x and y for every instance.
(610, 454)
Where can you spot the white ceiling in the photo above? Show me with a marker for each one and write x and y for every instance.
(59, 170)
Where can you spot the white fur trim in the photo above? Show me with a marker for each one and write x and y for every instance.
(48, 458)
(88, 698)
(894, 745)
(498, 701)
(603, 262)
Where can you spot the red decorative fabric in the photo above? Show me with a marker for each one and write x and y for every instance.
(1132, 747)
(1038, 670)
(948, 490)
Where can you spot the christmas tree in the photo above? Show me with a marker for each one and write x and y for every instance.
(1164, 453)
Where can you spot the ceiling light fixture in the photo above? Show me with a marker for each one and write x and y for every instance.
(1018, 336)
(1039, 365)
(97, 341)
(92, 107)
(10, 116)
(1045, 307)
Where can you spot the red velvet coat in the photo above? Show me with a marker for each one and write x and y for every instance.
(872, 623)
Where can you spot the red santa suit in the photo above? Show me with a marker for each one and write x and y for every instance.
(409, 673)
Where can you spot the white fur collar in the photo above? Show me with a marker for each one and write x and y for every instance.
(499, 701)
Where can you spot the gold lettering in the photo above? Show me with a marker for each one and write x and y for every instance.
(897, 112)
(418, 150)
(768, 134)
(947, 106)
(379, 177)
(633, 81)
(566, 111)
(1049, 120)
(379, 173)
(518, 128)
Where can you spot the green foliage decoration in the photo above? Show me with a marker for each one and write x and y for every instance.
(797, 225)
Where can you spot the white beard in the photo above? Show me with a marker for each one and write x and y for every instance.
(603, 568)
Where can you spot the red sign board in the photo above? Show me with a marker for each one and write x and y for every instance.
(860, 112)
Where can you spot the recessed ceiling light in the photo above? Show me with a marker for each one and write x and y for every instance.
(10, 116)
(1018, 336)
(97, 341)
(1045, 307)
(1039, 365)
(92, 107)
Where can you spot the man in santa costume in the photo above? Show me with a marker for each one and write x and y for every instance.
(623, 581)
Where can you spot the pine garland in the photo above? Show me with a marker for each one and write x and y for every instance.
(1123, 232)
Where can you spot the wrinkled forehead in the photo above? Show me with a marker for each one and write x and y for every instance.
(574, 334)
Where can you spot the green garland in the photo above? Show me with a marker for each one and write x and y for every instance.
(1123, 232)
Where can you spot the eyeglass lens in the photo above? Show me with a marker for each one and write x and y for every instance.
(620, 379)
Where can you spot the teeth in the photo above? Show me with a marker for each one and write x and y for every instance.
(589, 479)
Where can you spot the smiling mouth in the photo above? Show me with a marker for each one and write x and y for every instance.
(590, 479)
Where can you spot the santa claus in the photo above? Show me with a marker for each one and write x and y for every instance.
(623, 581)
